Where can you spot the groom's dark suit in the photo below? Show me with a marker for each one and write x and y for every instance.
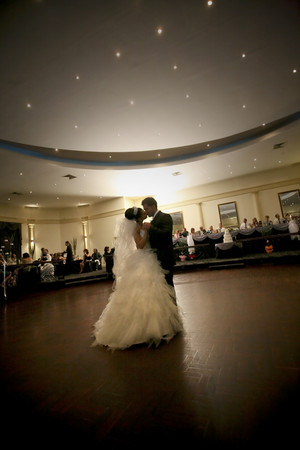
(160, 236)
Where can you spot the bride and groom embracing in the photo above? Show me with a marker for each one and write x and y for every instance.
(142, 307)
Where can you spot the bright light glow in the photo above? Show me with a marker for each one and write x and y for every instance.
(159, 30)
(209, 2)
(118, 54)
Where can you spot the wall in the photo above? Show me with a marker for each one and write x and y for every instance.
(255, 196)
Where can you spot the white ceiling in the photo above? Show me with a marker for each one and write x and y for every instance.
(60, 57)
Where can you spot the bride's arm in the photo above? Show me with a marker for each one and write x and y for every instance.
(140, 241)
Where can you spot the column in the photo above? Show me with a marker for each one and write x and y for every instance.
(257, 210)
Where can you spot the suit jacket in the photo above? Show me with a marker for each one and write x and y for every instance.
(160, 236)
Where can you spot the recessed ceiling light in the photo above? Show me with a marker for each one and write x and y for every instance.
(56, 149)
(187, 95)
(294, 70)
(8, 198)
(30, 192)
(209, 2)
(75, 126)
(175, 67)
(109, 156)
(77, 77)
(132, 102)
(28, 105)
(118, 54)
(158, 154)
(244, 55)
(159, 30)
(207, 145)
(21, 173)
(244, 106)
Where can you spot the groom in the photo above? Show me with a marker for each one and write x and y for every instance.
(160, 236)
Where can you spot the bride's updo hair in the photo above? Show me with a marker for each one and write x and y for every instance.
(133, 213)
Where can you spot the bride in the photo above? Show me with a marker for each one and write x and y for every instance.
(141, 307)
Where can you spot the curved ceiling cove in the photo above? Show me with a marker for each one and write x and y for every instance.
(127, 160)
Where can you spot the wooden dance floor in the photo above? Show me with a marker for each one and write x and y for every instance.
(229, 381)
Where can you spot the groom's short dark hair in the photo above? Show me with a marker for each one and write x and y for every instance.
(150, 201)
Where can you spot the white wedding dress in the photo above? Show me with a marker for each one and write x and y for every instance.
(141, 308)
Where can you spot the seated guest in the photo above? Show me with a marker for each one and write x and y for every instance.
(96, 258)
(202, 231)
(277, 219)
(211, 230)
(267, 221)
(84, 265)
(45, 254)
(26, 259)
(220, 228)
(254, 223)
(184, 232)
(244, 225)
(287, 218)
(13, 259)
(176, 234)
(46, 269)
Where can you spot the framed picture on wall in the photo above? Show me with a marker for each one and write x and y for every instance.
(228, 215)
(177, 218)
(290, 202)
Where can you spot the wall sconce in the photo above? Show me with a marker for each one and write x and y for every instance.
(31, 239)
(85, 234)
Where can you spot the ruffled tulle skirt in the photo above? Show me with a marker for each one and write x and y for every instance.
(141, 309)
